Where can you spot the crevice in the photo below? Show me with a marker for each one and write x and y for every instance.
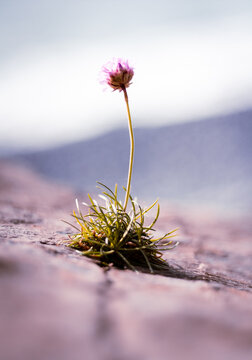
(8, 266)
(179, 272)
(104, 325)
(190, 274)
(105, 329)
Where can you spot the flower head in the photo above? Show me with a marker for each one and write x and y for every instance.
(118, 74)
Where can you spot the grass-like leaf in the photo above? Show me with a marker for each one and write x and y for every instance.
(114, 236)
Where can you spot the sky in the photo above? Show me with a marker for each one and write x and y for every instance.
(192, 59)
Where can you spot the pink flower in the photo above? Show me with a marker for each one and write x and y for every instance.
(117, 74)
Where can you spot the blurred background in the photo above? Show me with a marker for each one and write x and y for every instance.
(190, 99)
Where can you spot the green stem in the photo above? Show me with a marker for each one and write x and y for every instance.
(131, 151)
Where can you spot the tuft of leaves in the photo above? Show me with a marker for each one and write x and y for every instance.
(114, 236)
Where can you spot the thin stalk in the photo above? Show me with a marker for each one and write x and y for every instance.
(131, 151)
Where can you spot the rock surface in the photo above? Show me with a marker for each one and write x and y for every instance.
(56, 304)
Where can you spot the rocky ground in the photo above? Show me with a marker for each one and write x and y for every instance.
(56, 304)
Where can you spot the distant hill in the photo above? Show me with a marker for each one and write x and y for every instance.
(207, 161)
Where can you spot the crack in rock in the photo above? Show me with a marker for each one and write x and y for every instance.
(181, 273)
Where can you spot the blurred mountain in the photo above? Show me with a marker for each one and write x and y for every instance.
(7, 151)
(206, 162)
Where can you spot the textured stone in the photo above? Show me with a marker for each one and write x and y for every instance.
(56, 304)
